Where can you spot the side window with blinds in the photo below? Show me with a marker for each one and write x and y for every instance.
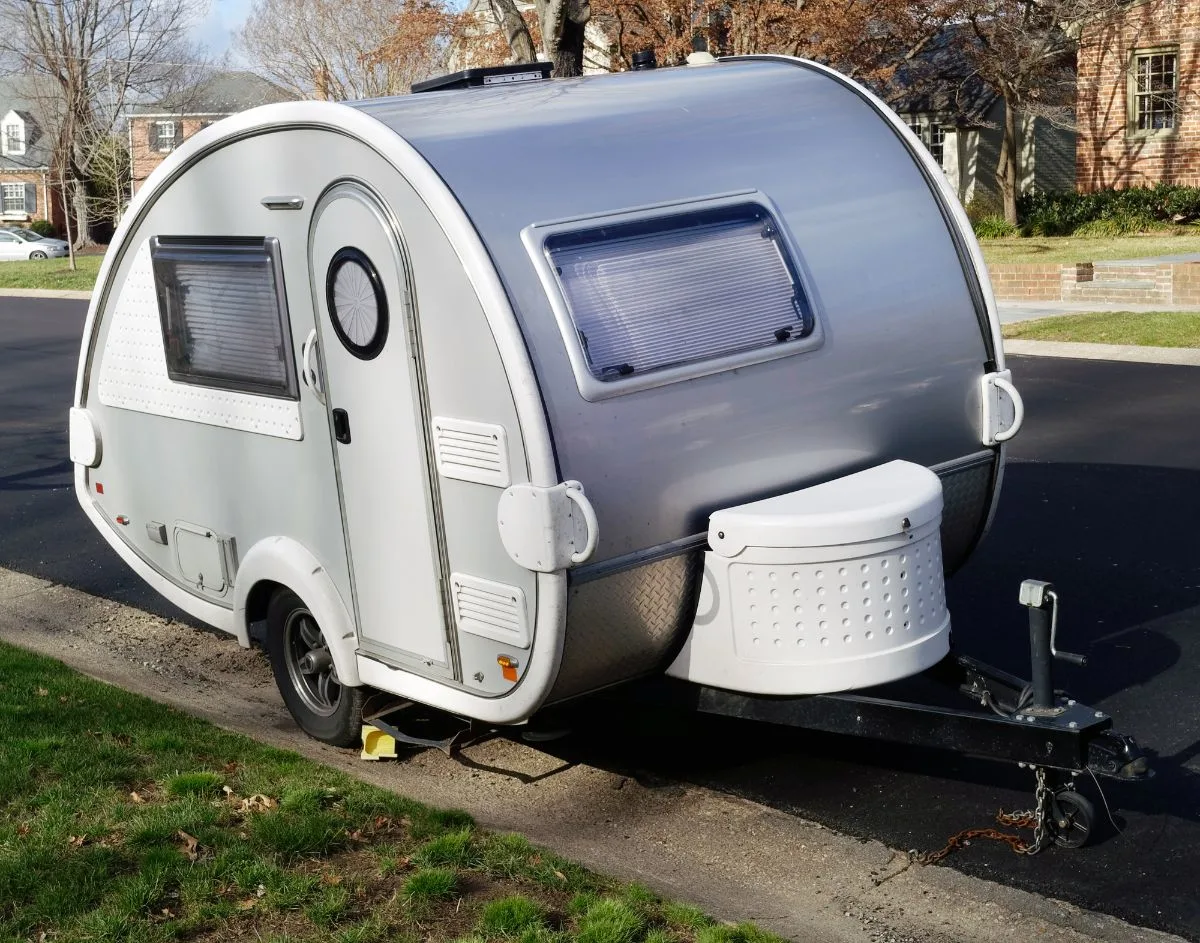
(224, 314)
(659, 298)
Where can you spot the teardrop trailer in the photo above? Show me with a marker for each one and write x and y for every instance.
(494, 397)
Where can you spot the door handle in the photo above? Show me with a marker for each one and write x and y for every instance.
(341, 426)
(308, 371)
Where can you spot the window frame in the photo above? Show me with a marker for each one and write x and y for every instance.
(165, 144)
(591, 388)
(4, 188)
(14, 144)
(269, 245)
(1133, 97)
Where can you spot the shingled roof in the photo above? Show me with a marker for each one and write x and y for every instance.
(20, 93)
(223, 93)
(941, 80)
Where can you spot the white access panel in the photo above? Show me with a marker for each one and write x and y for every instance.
(383, 473)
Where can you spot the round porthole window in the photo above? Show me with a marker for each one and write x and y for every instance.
(357, 303)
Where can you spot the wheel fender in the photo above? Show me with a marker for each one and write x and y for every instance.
(283, 560)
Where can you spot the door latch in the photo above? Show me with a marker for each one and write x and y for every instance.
(341, 426)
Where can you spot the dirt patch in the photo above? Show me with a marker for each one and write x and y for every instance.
(733, 858)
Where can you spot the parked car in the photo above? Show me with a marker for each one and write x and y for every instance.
(26, 244)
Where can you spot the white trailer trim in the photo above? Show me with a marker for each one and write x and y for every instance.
(528, 694)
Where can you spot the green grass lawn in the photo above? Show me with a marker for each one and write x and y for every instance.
(1062, 249)
(1149, 329)
(121, 819)
(52, 273)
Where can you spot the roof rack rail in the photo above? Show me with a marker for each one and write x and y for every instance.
(491, 75)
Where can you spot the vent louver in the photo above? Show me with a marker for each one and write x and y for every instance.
(491, 610)
(471, 451)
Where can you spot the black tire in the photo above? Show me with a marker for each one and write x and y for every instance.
(322, 707)
(37, 255)
(1071, 818)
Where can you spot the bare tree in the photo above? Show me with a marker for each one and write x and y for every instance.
(330, 48)
(1024, 50)
(98, 57)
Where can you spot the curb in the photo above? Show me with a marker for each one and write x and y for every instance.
(1127, 353)
(45, 293)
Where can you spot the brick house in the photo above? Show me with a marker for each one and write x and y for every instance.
(1138, 104)
(157, 129)
(26, 189)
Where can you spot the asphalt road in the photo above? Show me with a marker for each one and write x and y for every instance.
(1103, 498)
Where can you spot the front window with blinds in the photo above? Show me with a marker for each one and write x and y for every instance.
(1153, 91)
(224, 314)
(651, 294)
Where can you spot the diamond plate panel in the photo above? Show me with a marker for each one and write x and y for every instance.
(627, 624)
(966, 495)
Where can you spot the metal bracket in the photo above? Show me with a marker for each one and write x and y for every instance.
(1003, 408)
(547, 529)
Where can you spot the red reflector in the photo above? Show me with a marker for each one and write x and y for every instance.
(122, 519)
(99, 488)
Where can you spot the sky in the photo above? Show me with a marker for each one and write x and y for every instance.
(216, 30)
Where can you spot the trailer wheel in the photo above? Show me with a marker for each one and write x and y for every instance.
(1071, 818)
(323, 707)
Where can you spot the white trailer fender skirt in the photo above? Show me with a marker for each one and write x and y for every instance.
(283, 560)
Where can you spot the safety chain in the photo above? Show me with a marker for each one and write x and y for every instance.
(1029, 818)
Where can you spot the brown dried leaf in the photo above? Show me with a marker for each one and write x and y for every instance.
(190, 845)
(261, 891)
(136, 798)
(562, 877)
(248, 903)
(42, 692)
(332, 880)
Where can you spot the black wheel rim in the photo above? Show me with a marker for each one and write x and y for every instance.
(310, 664)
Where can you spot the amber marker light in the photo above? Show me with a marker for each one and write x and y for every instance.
(508, 667)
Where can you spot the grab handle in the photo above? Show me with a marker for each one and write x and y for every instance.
(574, 491)
(1018, 409)
(307, 371)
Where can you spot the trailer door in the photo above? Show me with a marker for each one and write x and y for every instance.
(374, 396)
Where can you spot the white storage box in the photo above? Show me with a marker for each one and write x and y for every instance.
(830, 588)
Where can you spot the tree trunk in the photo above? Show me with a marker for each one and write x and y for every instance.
(78, 204)
(568, 58)
(520, 43)
(1006, 169)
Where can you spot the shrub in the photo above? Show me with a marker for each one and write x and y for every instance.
(42, 227)
(993, 227)
(1108, 212)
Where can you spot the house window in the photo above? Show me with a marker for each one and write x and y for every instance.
(655, 293)
(933, 136)
(1153, 91)
(14, 198)
(223, 313)
(14, 139)
(164, 134)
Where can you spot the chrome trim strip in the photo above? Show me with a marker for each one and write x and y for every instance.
(629, 561)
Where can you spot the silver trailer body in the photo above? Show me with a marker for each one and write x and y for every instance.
(477, 511)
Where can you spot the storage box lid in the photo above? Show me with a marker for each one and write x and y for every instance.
(877, 503)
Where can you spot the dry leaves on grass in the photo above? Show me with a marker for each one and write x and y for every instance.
(249, 804)
(189, 845)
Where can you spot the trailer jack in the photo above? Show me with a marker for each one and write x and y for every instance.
(1026, 722)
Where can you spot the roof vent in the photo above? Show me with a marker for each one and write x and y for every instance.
(490, 76)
